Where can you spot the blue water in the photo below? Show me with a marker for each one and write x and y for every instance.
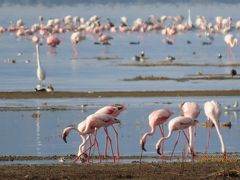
(89, 74)
(21, 134)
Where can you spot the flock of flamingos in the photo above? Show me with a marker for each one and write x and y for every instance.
(80, 28)
(107, 116)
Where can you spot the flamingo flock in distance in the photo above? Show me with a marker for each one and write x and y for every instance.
(103, 30)
(107, 117)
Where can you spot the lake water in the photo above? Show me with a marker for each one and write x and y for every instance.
(21, 134)
(87, 73)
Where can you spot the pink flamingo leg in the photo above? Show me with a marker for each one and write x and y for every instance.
(91, 145)
(175, 145)
(89, 152)
(188, 143)
(195, 139)
(75, 51)
(117, 145)
(110, 141)
(106, 144)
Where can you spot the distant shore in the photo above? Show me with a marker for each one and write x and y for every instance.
(97, 94)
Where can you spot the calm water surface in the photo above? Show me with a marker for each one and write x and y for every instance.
(87, 73)
(21, 134)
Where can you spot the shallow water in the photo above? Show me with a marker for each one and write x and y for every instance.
(22, 134)
(87, 73)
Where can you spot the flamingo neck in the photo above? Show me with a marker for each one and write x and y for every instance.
(38, 58)
(220, 138)
(158, 145)
(144, 138)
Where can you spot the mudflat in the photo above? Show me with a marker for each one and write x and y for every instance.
(94, 94)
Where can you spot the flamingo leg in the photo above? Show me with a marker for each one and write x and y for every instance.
(106, 144)
(110, 141)
(175, 145)
(75, 51)
(117, 145)
(188, 144)
(195, 138)
(91, 145)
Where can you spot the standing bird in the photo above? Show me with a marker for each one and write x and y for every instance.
(176, 124)
(191, 110)
(113, 110)
(212, 110)
(104, 39)
(231, 42)
(156, 118)
(40, 71)
(87, 127)
(75, 38)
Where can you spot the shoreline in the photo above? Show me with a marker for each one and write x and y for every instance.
(99, 94)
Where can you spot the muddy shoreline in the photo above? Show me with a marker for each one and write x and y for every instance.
(97, 94)
(215, 167)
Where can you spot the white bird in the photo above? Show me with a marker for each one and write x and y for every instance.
(212, 110)
(40, 71)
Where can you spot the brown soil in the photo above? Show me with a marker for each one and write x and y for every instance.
(202, 169)
(94, 94)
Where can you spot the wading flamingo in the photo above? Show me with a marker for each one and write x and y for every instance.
(231, 42)
(212, 110)
(75, 38)
(40, 71)
(155, 118)
(176, 124)
(90, 126)
(113, 110)
(192, 110)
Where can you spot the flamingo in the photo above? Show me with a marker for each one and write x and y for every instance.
(212, 110)
(75, 38)
(41, 75)
(90, 126)
(104, 39)
(191, 110)
(231, 42)
(176, 124)
(113, 110)
(155, 118)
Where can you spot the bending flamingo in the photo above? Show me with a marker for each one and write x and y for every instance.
(156, 118)
(176, 124)
(192, 110)
(90, 126)
(212, 110)
(113, 110)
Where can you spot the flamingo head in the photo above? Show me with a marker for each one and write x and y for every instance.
(142, 143)
(158, 147)
(64, 136)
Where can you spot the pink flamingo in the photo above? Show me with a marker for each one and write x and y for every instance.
(212, 110)
(231, 42)
(191, 110)
(104, 39)
(113, 110)
(75, 38)
(53, 41)
(156, 118)
(176, 124)
(90, 126)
